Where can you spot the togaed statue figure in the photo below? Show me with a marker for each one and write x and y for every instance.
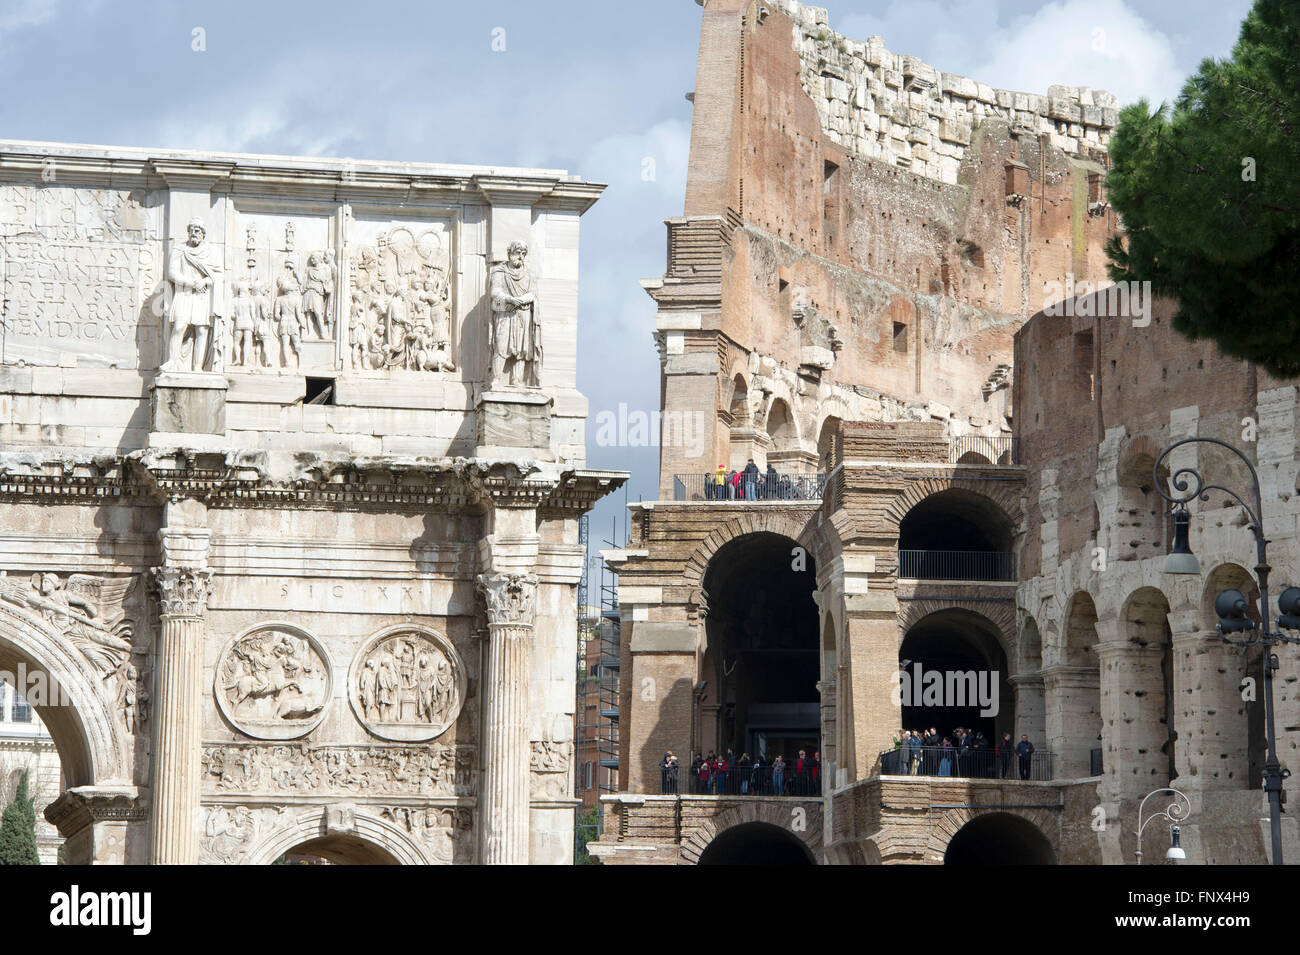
(515, 336)
(194, 270)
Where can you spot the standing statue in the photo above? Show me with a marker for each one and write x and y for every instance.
(317, 292)
(288, 313)
(194, 271)
(515, 336)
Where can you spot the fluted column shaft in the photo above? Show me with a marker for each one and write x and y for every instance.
(178, 717)
(505, 748)
(504, 800)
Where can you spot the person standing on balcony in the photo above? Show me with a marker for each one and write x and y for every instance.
(696, 765)
(663, 772)
(734, 490)
(945, 758)
(914, 753)
(770, 482)
(817, 772)
(1025, 750)
(778, 775)
(751, 480)
(744, 769)
(718, 489)
(1005, 746)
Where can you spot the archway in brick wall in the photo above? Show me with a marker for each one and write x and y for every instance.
(999, 838)
(956, 534)
(762, 662)
(1146, 685)
(756, 843)
(953, 673)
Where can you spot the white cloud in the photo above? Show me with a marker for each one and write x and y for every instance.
(655, 158)
(1103, 44)
(1097, 43)
(25, 13)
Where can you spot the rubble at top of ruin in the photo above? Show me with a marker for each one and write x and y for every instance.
(897, 109)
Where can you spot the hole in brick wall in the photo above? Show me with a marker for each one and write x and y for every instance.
(900, 337)
(320, 391)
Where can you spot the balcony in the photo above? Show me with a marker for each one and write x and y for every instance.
(783, 488)
(988, 565)
(966, 764)
(984, 451)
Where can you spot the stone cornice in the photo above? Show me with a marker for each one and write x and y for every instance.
(77, 808)
(579, 490)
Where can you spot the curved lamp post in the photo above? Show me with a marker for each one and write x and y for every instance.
(1231, 605)
(1175, 812)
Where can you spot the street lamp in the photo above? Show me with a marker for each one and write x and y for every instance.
(1231, 605)
(1175, 812)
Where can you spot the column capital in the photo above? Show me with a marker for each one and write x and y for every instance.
(182, 591)
(511, 598)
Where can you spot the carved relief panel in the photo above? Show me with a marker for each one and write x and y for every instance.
(401, 288)
(407, 684)
(273, 682)
(284, 300)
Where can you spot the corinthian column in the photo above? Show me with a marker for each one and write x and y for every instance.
(178, 715)
(503, 818)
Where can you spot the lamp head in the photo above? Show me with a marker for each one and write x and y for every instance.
(1231, 607)
(1181, 560)
(1175, 847)
(1288, 602)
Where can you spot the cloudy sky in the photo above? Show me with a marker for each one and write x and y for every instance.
(592, 86)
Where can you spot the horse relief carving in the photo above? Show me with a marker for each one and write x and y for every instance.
(273, 682)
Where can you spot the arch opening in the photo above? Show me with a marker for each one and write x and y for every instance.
(953, 677)
(1148, 684)
(762, 660)
(756, 843)
(956, 535)
(999, 838)
(340, 849)
(1144, 523)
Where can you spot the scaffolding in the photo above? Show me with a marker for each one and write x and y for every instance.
(596, 707)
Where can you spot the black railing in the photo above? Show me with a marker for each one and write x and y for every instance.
(1094, 762)
(956, 564)
(749, 488)
(975, 449)
(965, 763)
(743, 780)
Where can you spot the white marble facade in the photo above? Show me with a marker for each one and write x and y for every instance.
(262, 496)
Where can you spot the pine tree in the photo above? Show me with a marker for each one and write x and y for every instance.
(1210, 198)
(18, 828)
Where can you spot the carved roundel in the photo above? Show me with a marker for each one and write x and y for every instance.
(407, 684)
(273, 681)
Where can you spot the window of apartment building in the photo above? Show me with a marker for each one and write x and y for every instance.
(22, 710)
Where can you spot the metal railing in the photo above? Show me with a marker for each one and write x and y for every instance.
(965, 763)
(743, 780)
(749, 488)
(956, 564)
(977, 449)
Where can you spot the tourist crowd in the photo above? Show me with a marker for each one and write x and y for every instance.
(966, 752)
(752, 484)
(718, 775)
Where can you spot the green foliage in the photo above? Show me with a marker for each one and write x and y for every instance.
(584, 831)
(1210, 198)
(18, 828)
